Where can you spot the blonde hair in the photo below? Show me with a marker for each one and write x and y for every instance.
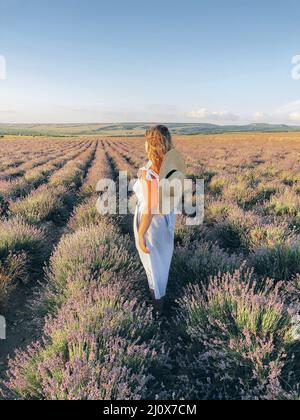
(160, 142)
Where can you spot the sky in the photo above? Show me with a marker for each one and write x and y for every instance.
(85, 61)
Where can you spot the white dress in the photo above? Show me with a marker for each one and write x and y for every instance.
(159, 240)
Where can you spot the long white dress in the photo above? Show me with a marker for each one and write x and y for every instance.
(159, 240)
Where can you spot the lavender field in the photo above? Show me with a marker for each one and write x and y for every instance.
(80, 318)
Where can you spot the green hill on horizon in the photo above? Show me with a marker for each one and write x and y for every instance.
(135, 129)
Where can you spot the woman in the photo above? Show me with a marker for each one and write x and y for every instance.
(154, 232)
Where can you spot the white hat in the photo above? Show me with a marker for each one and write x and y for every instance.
(171, 181)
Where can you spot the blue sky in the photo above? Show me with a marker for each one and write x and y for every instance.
(115, 60)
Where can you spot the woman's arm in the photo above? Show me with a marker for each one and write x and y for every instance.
(145, 223)
(150, 192)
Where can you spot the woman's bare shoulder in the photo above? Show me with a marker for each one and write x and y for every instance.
(142, 174)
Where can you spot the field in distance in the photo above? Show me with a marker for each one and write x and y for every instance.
(133, 129)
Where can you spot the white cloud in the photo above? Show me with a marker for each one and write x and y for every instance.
(288, 112)
(206, 115)
(201, 113)
(21, 112)
(260, 116)
(295, 116)
(293, 106)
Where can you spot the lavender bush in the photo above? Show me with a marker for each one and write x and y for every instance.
(95, 251)
(98, 347)
(12, 268)
(17, 236)
(236, 337)
(281, 262)
(232, 231)
(41, 205)
(22, 251)
(196, 263)
(85, 215)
